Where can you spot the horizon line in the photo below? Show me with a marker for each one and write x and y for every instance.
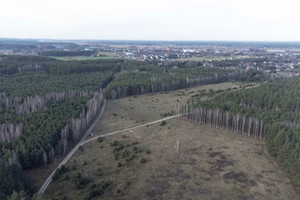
(151, 40)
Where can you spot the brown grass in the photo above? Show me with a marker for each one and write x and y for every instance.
(211, 164)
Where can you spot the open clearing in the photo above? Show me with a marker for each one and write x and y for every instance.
(68, 58)
(211, 163)
(104, 55)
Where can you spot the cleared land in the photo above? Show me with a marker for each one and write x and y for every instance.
(210, 164)
(104, 55)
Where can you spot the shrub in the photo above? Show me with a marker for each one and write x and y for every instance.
(100, 139)
(74, 167)
(63, 169)
(136, 149)
(99, 171)
(119, 164)
(114, 143)
(163, 123)
(56, 175)
(131, 158)
(118, 148)
(126, 153)
(80, 181)
(81, 148)
(116, 155)
(97, 190)
(143, 160)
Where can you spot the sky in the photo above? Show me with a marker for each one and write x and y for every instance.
(201, 20)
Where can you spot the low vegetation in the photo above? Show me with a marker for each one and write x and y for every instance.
(270, 112)
(205, 165)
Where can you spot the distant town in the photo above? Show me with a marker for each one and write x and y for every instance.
(278, 59)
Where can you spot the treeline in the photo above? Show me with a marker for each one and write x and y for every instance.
(160, 86)
(37, 103)
(13, 179)
(32, 84)
(238, 123)
(270, 112)
(58, 53)
(75, 127)
(9, 132)
(33, 75)
(45, 105)
(238, 62)
(253, 76)
(281, 95)
(11, 64)
(148, 78)
(39, 142)
(83, 66)
(16, 64)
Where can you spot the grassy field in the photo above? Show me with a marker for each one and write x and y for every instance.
(112, 120)
(211, 163)
(104, 55)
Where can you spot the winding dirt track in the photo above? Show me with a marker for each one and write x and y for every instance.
(83, 142)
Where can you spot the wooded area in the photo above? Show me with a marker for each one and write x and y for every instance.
(46, 104)
(270, 111)
(137, 78)
(67, 53)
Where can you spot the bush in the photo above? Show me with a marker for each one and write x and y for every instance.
(131, 158)
(56, 175)
(116, 155)
(118, 148)
(163, 123)
(126, 153)
(74, 167)
(63, 169)
(115, 143)
(136, 149)
(143, 160)
(166, 114)
(97, 190)
(148, 152)
(99, 171)
(80, 181)
(100, 139)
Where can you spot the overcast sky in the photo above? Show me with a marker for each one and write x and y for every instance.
(238, 20)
